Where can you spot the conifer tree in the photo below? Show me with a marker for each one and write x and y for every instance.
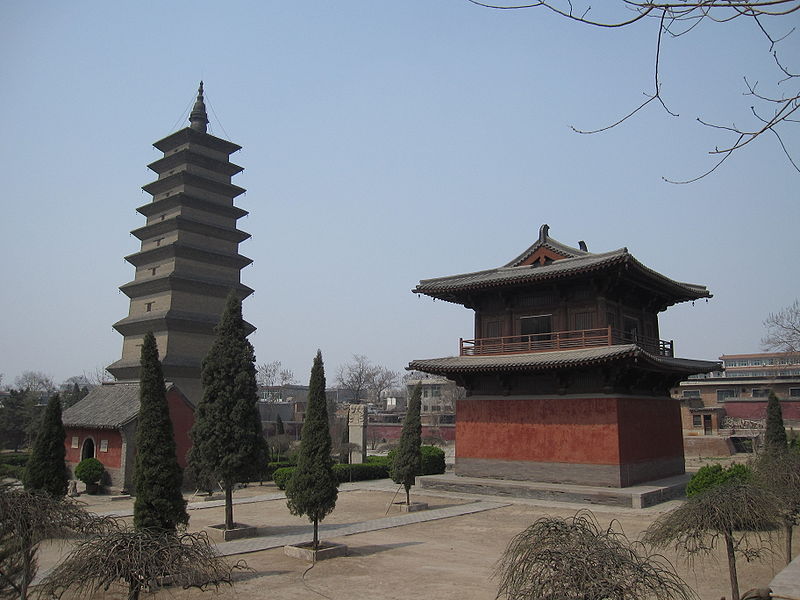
(279, 428)
(157, 477)
(227, 441)
(775, 440)
(46, 470)
(312, 489)
(408, 456)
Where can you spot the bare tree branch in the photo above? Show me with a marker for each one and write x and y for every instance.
(576, 558)
(678, 18)
(783, 329)
(141, 560)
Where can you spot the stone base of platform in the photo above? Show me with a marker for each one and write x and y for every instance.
(637, 496)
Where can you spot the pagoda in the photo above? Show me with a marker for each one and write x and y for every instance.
(567, 380)
(189, 258)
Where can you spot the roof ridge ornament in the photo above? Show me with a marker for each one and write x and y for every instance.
(198, 118)
(544, 231)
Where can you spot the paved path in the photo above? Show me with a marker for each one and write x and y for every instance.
(338, 530)
(266, 542)
(128, 512)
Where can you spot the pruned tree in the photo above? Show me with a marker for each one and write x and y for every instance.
(73, 393)
(775, 440)
(779, 472)
(783, 330)
(312, 490)
(739, 515)
(141, 560)
(46, 471)
(407, 461)
(772, 111)
(576, 558)
(26, 520)
(227, 442)
(157, 476)
(18, 419)
(357, 376)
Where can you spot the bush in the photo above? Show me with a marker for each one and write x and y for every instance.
(13, 465)
(271, 467)
(379, 460)
(18, 459)
(432, 460)
(713, 475)
(282, 475)
(89, 471)
(360, 472)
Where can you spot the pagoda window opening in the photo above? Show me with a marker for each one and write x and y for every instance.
(148, 306)
(537, 328)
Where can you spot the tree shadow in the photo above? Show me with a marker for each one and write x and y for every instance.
(370, 549)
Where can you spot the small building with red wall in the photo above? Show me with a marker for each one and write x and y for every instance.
(566, 378)
(103, 426)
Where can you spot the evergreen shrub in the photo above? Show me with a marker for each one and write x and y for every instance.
(379, 460)
(360, 472)
(713, 475)
(269, 471)
(13, 465)
(432, 460)
(281, 476)
(89, 471)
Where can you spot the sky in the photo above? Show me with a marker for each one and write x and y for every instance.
(383, 143)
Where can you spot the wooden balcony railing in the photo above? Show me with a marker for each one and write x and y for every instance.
(562, 340)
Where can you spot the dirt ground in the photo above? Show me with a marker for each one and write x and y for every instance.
(450, 558)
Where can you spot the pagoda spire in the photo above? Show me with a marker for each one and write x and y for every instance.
(198, 117)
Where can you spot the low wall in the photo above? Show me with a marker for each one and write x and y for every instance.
(377, 432)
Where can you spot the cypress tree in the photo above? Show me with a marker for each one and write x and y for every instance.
(408, 456)
(46, 470)
(313, 488)
(227, 441)
(157, 476)
(775, 440)
(279, 429)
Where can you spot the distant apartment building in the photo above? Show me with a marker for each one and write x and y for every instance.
(736, 397)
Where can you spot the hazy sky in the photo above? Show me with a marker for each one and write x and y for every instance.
(383, 143)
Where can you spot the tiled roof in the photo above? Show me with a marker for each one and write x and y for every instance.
(579, 261)
(560, 359)
(110, 405)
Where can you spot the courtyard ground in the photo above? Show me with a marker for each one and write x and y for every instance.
(446, 558)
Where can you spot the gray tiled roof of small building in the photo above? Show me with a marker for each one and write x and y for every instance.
(557, 359)
(109, 405)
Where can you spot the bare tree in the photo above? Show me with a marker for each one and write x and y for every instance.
(272, 374)
(772, 112)
(26, 520)
(783, 329)
(141, 560)
(357, 376)
(97, 376)
(576, 558)
(738, 514)
(382, 380)
(36, 382)
(779, 472)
